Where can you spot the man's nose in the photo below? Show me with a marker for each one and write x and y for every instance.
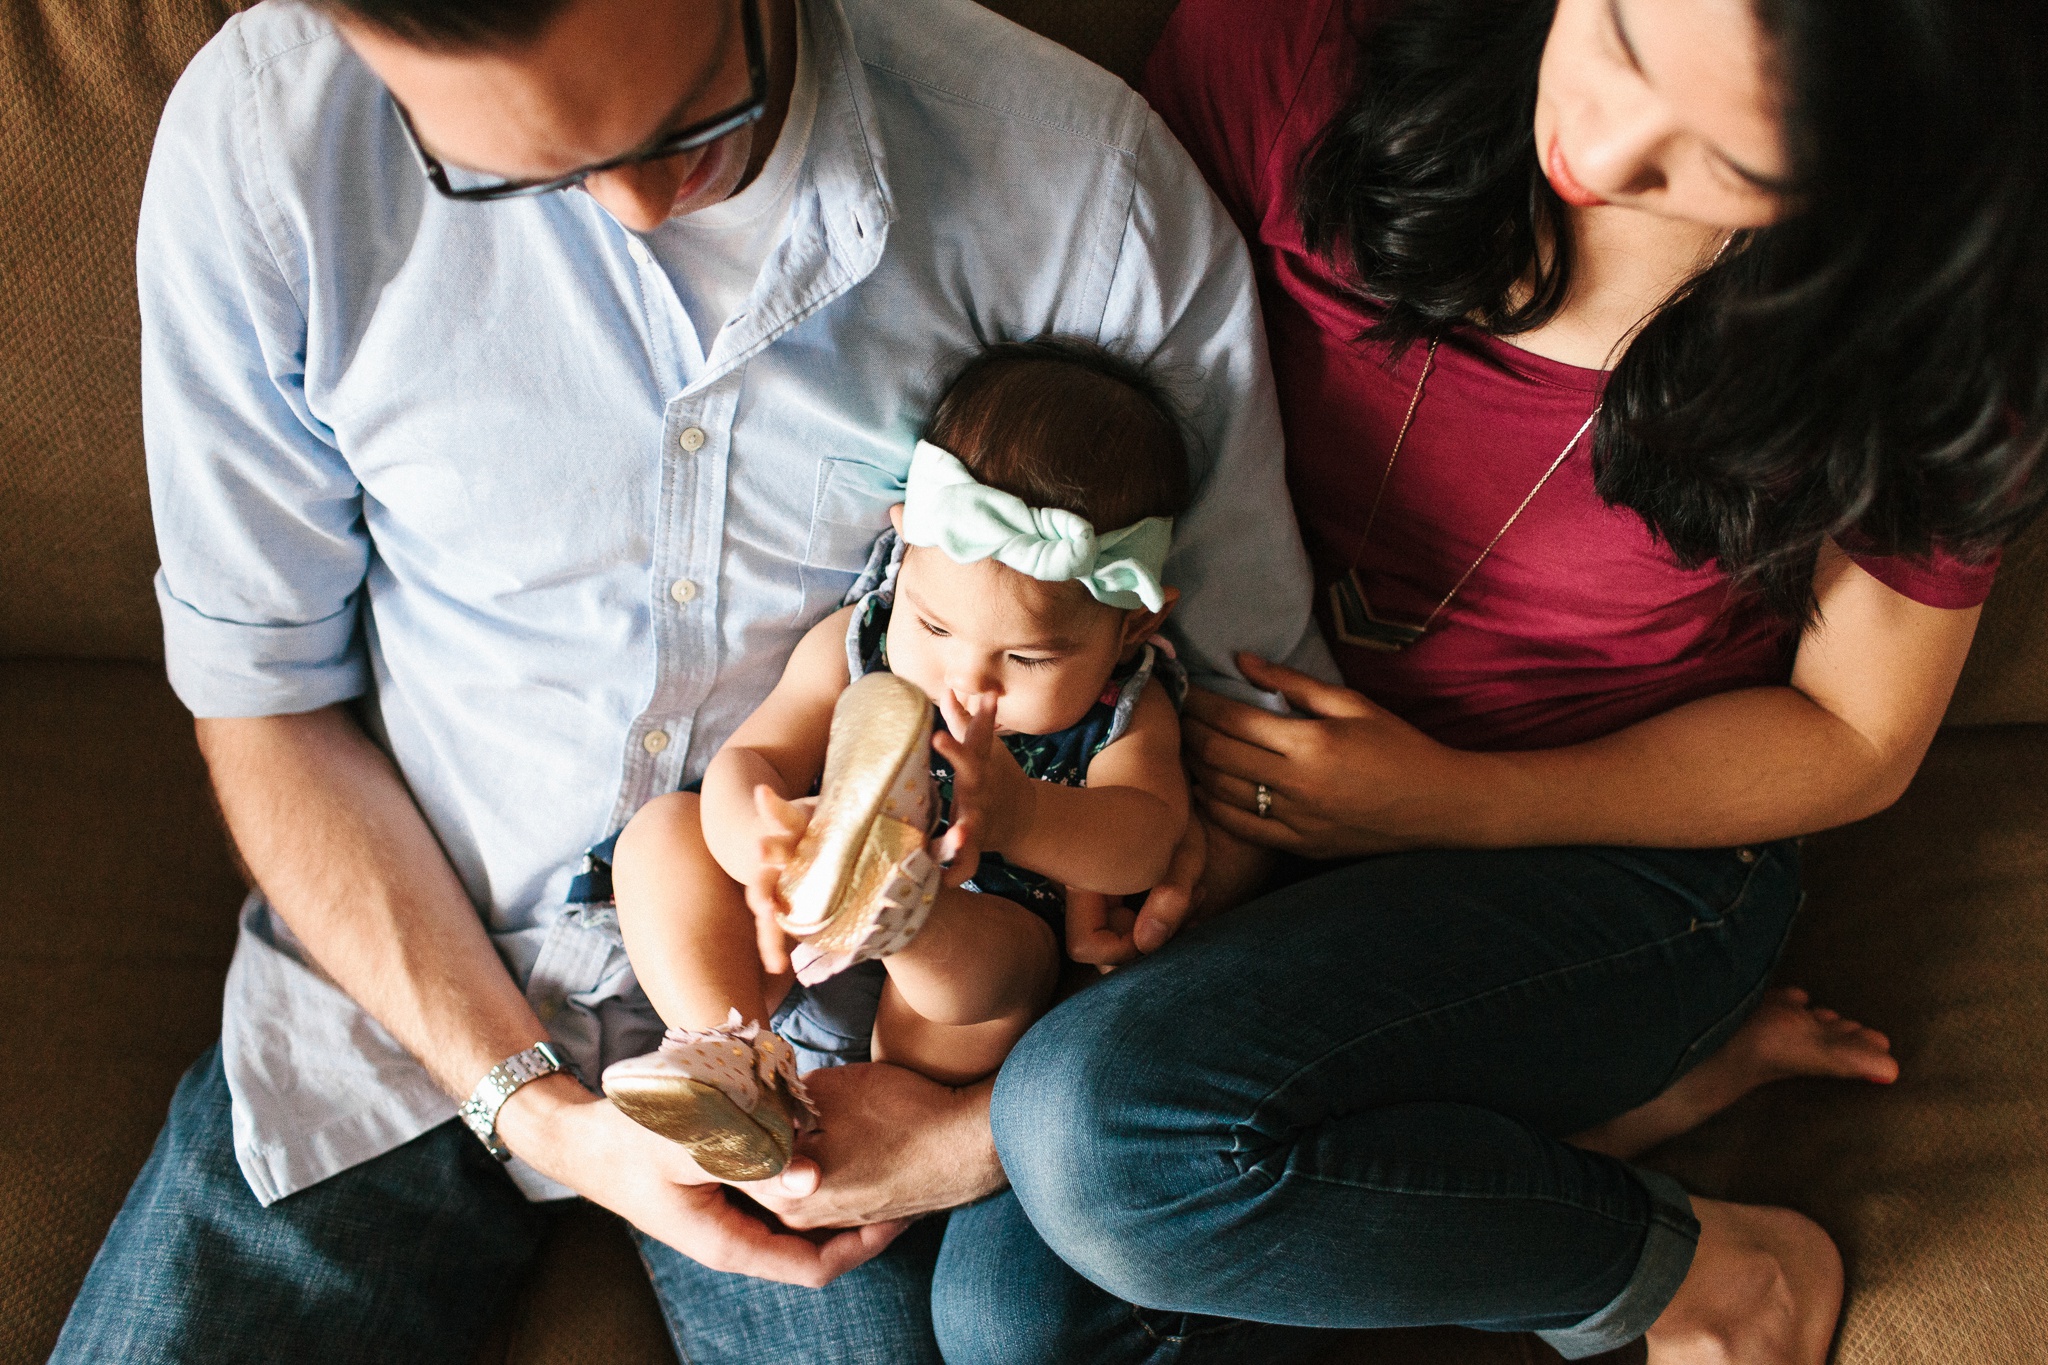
(641, 196)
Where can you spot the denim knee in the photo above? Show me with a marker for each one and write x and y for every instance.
(1094, 1142)
(995, 1290)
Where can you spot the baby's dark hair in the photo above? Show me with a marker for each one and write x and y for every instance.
(1065, 423)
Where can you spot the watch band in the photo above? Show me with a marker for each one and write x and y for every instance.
(480, 1110)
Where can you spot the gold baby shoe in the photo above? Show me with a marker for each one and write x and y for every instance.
(731, 1095)
(862, 882)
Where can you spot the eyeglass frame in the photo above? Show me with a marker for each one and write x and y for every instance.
(701, 133)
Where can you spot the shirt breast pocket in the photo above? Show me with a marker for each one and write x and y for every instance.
(849, 510)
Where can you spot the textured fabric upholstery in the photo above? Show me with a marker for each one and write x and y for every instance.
(1931, 923)
(81, 82)
(2006, 679)
(117, 895)
(117, 898)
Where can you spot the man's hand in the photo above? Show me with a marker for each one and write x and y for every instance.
(889, 1145)
(581, 1140)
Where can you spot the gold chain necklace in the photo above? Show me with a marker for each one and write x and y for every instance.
(1351, 611)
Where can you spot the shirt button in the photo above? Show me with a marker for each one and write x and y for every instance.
(692, 439)
(683, 590)
(655, 741)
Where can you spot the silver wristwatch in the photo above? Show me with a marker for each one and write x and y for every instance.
(480, 1110)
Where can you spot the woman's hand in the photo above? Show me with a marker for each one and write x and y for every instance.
(1347, 779)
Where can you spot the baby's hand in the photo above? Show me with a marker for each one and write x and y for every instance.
(985, 779)
(782, 826)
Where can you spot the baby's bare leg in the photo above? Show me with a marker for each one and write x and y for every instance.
(966, 988)
(685, 923)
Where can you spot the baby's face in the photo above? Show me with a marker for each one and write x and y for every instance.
(1045, 650)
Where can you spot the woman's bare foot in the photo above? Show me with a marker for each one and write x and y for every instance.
(1787, 1036)
(1765, 1288)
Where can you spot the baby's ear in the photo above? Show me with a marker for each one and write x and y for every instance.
(896, 518)
(1140, 624)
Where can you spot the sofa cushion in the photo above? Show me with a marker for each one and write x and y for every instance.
(82, 82)
(2005, 681)
(1929, 922)
(118, 909)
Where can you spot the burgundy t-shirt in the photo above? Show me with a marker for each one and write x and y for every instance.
(1579, 623)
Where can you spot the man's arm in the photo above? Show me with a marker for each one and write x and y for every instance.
(331, 835)
(1185, 298)
(329, 832)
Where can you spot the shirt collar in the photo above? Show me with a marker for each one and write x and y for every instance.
(840, 221)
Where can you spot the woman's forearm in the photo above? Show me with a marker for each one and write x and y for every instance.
(1740, 767)
(330, 834)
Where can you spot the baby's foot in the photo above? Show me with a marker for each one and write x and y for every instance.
(1787, 1036)
(731, 1095)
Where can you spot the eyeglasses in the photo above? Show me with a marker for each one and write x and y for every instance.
(693, 135)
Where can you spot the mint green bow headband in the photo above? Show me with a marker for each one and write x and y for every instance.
(945, 507)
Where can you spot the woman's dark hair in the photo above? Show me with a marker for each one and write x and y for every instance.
(1062, 422)
(453, 25)
(1873, 367)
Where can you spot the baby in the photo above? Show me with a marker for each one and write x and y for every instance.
(996, 609)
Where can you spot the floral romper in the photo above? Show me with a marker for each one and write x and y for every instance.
(1063, 757)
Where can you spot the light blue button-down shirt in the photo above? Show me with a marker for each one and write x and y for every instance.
(456, 460)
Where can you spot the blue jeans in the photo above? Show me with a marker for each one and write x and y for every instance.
(1345, 1105)
(403, 1258)
(1337, 1107)
(408, 1258)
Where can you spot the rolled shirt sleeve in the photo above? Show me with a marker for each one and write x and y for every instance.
(258, 516)
(1184, 291)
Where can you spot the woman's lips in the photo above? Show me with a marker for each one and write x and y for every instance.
(1567, 186)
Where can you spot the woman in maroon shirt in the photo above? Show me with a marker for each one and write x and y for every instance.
(1661, 378)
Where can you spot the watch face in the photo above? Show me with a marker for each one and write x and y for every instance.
(480, 1110)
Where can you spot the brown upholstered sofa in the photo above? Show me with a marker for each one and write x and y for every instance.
(117, 892)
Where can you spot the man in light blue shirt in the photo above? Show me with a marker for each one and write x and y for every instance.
(521, 380)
